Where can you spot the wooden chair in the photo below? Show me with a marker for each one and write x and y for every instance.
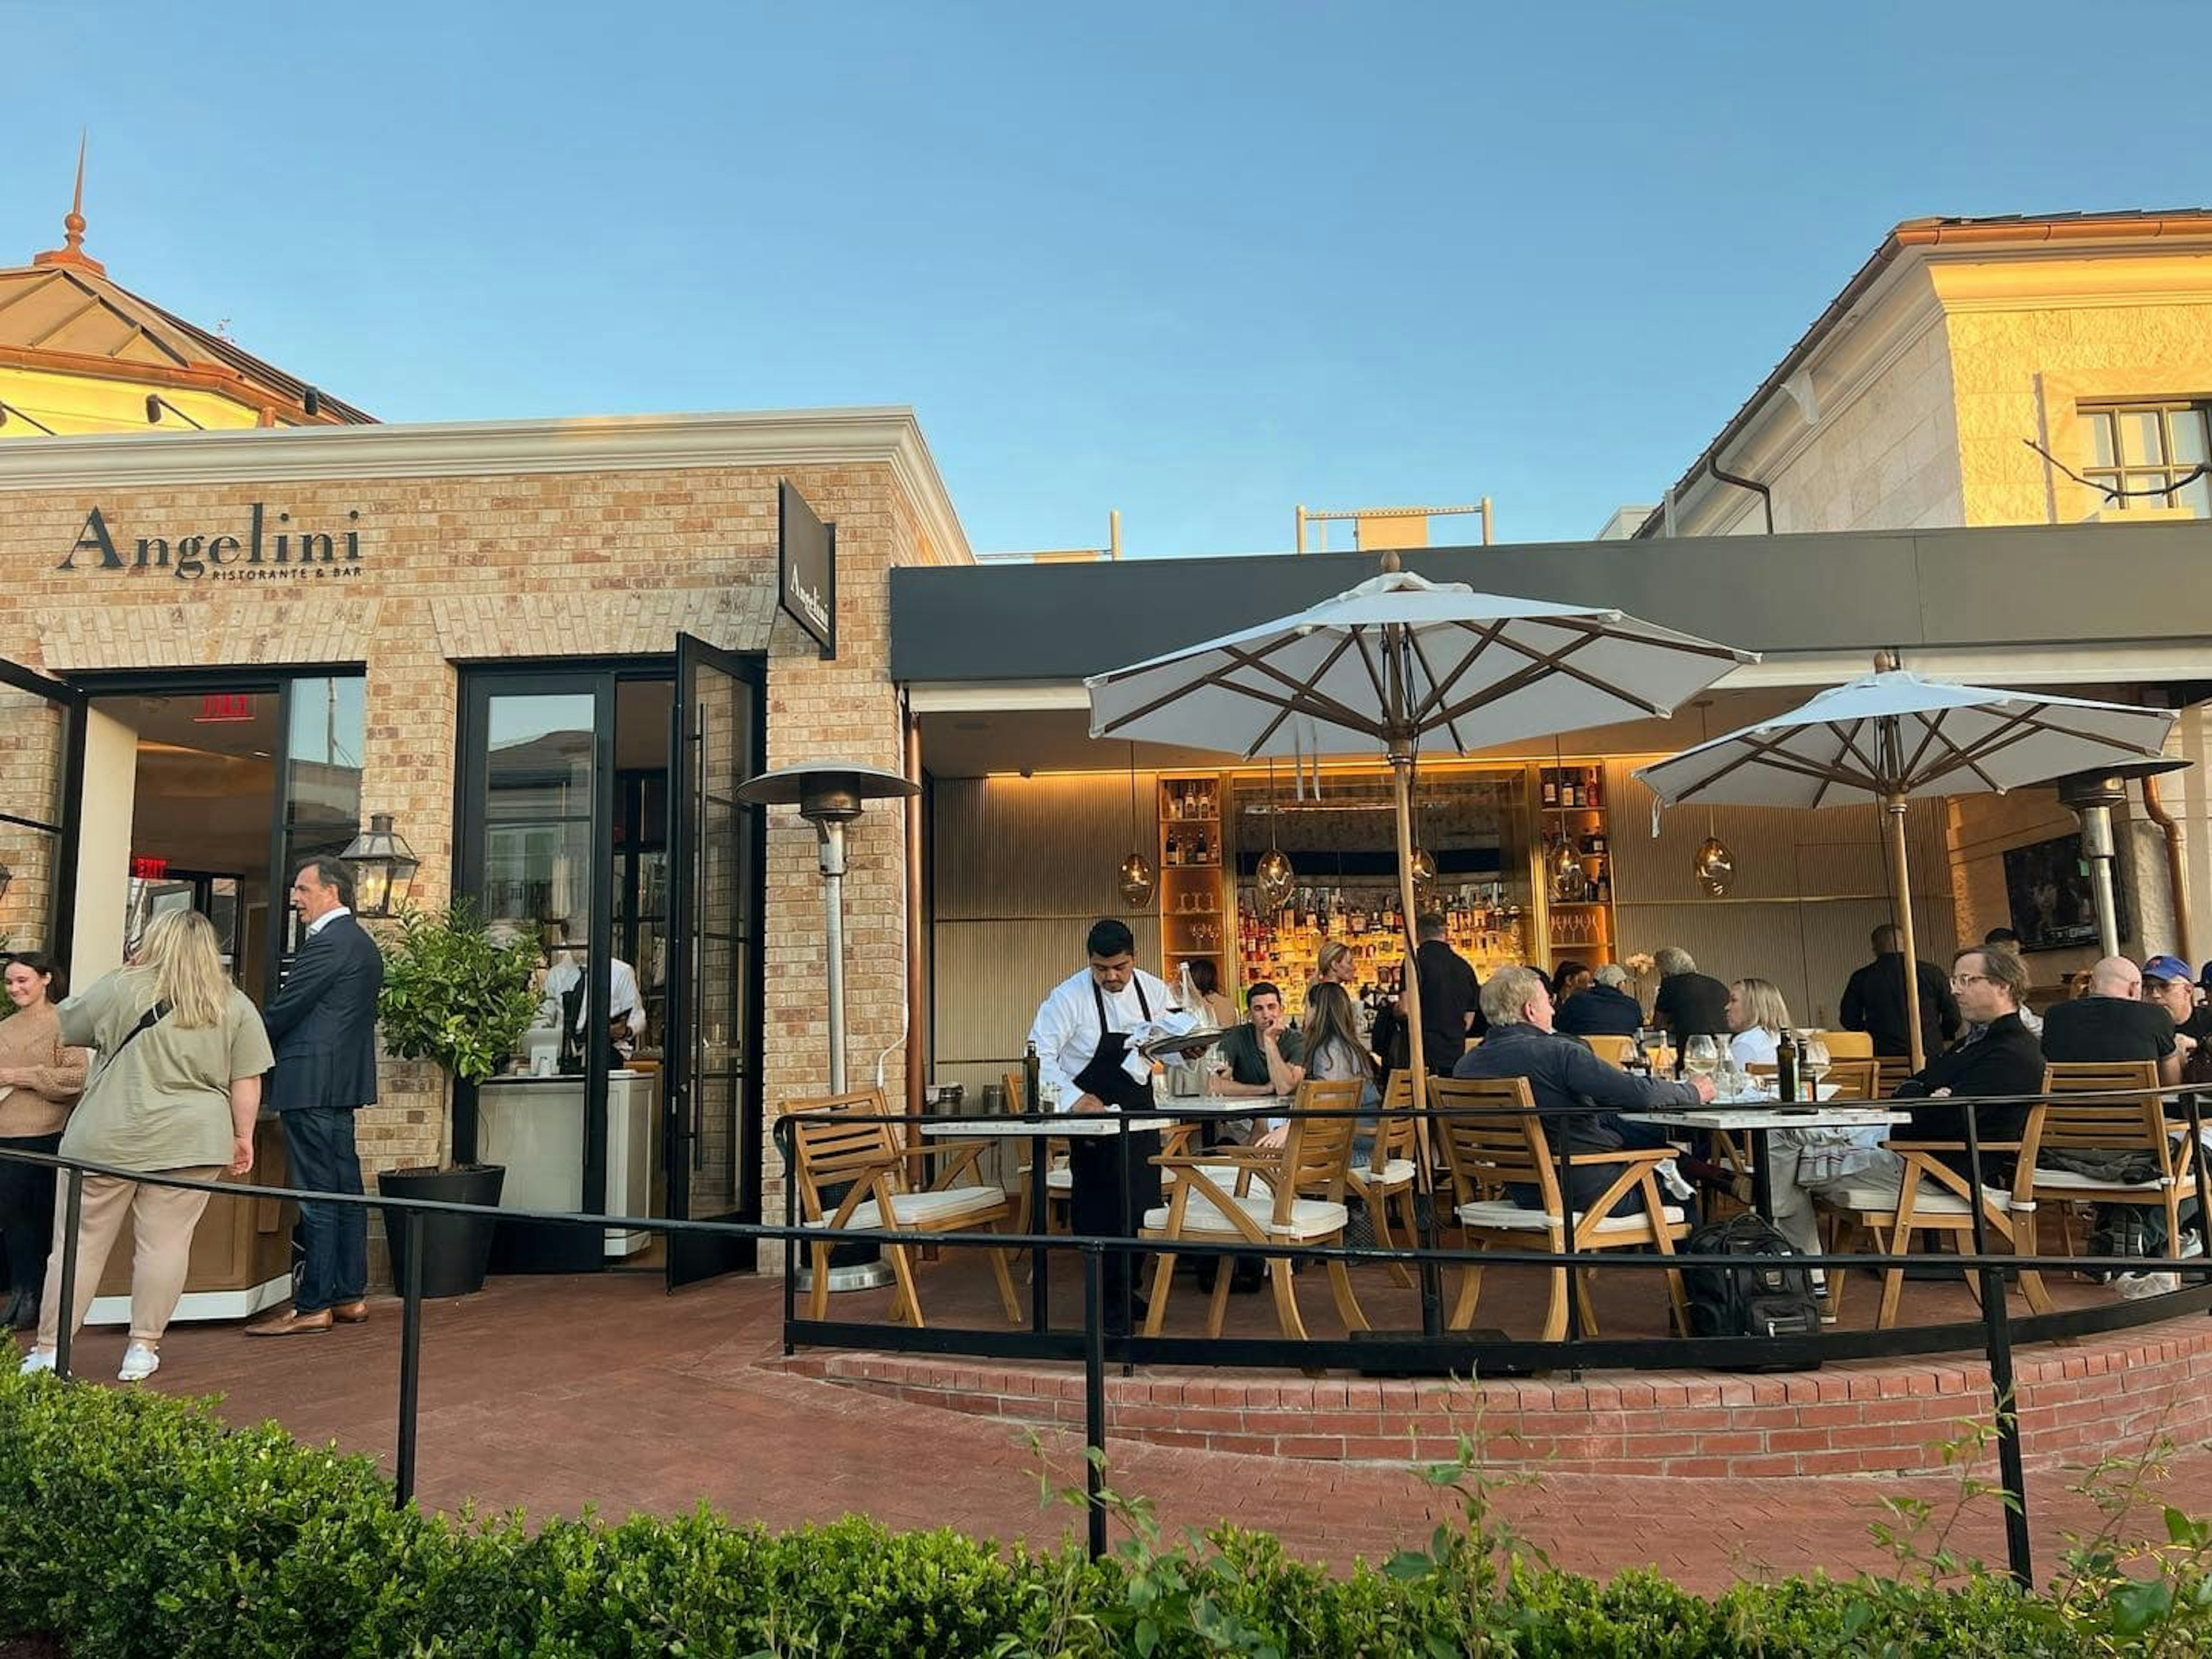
(1613, 1050)
(1392, 1176)
(852, 1140)
(1890, 1070)
(1855, 1080)
(1315, 1157)
(1052, 1152)
(1848, 1045)
(1934, 1198)
(1493, 1137)
(2134, 1121)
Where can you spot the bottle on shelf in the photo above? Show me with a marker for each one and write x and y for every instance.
(1174, 854)
(1551, 789)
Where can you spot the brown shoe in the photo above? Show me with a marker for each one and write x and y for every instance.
(293, 1324)
(351, 1313)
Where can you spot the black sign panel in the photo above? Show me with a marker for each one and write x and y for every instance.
(806, 567)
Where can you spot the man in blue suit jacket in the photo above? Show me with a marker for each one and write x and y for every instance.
(322, 1026)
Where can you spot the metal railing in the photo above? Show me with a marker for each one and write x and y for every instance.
(1429, 1351)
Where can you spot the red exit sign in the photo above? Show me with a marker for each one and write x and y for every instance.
(149, 869)
(225, 708)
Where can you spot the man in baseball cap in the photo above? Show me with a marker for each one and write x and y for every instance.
(2168, 982)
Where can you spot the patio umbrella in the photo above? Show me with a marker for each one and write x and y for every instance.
(1898, 735)
(1396, 660)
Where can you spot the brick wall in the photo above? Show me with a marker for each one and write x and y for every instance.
(470, 567)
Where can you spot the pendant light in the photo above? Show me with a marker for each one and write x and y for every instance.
(1712, 864)
(1562, 864)
(1425, 862)
(1136, 872)
(1273, 874)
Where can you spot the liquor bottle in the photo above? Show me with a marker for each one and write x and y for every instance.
(1198, 857)
(1785, 1067)
(1638, 1063)
(1175, 849)
(1567, 793)
(1550, 790)
(1031, 1101)
(1594, 788)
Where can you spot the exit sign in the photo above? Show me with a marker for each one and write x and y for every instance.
(225, 708)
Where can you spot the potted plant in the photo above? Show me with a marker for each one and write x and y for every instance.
(458, 995)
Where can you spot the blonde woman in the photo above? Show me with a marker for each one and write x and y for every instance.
(175, 1092)
(1756, 1017)
(1336, 965)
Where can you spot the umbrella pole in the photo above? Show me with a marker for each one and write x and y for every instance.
(1900, 879)
(1401, 762)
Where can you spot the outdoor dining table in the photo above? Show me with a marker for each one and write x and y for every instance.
(1042, 1126)
(1757, 1116)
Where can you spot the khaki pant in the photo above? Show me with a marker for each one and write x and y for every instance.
(161, 1222)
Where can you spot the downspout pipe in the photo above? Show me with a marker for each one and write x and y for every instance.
(2177, 874)
(1764, 493)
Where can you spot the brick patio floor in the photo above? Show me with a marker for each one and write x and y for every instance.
(559, 1394)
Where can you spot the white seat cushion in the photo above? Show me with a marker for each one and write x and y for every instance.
(913, 1209)
(1310, 1218)
(1930, 1200)
(1059, 1179)
(2069, 1180)
(1511, 1217)
(1398, 1172)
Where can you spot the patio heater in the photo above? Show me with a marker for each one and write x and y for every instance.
(829, 795)
(2091, 796)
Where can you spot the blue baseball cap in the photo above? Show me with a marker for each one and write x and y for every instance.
(2168, 968)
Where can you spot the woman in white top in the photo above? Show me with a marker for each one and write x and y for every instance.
(1756, 1014)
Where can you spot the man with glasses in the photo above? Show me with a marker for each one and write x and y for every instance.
(1989, 983)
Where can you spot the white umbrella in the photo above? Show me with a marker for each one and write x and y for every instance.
(1898, 735)
(1397, 659)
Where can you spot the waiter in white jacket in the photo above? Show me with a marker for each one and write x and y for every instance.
(1086, 1033)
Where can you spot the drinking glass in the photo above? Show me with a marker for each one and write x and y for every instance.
(1812, 1063)
(1699, 1056)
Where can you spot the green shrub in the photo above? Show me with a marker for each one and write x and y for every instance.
(134, 1524)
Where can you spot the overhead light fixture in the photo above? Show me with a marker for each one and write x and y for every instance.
(1712, 864)
(1423, 862)
(1273, 874)
(1135, 876)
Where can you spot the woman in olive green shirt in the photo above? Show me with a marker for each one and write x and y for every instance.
(178, 1087)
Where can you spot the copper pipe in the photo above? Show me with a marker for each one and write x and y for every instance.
(917, 1045)
(2177, 873)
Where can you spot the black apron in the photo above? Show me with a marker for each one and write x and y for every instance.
(1110, 1197)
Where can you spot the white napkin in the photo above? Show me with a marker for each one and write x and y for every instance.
(1169, 1023)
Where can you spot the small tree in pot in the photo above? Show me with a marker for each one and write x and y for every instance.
(460, 997)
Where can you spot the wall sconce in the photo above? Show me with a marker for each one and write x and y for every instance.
(384, 866)
(156, 402)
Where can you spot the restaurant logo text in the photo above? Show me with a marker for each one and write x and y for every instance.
(266, 549)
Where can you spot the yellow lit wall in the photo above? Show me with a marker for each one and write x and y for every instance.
(73, 403)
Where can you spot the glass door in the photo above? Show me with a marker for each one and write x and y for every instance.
(712, 1113)
(41, 783)
(534, 852)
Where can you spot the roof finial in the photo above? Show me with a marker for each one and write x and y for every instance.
(71, 253)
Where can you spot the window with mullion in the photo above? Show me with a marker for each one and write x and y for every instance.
(2151, 454)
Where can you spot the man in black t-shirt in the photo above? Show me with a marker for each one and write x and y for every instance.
(2112, 1023)
(1451, 1006)
(2167, 982)
(1688, 1004)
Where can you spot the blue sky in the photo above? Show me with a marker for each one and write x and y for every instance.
(1200, 262)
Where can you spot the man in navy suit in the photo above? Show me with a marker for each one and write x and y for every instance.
(322, 1026)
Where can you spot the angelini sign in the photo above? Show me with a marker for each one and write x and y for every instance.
(807, 566)
(263, 549)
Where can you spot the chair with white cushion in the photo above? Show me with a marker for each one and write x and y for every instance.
(852, 1142)
(1391, 1175)
(1212, 1202)
(1933, 1199)
(1493, 1137)
(2127, 1116)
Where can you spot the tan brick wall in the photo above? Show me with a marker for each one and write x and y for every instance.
(469, 568)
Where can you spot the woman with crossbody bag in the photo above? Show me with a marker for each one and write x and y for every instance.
(176, 1091)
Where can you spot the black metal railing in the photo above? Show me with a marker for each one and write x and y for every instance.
(1430, 1351)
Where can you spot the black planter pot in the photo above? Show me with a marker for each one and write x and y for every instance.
(456, 1249)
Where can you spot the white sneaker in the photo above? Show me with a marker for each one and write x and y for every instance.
(138, 1364)
(2134, 1287)
(2191, 1245)
(38, 1359)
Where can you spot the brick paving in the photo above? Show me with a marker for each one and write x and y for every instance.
(557, 1395)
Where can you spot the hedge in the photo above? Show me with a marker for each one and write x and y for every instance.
(132, 1524)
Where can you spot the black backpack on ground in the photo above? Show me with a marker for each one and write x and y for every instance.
(1770, 1295)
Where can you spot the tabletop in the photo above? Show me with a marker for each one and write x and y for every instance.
(1773, 1115)
(1056, 1123)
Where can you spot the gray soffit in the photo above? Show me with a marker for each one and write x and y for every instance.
(2057, 585)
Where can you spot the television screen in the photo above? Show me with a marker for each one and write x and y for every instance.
(2053, 901)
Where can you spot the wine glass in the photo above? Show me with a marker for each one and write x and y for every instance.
(1701, 1058)
(1812, 1063)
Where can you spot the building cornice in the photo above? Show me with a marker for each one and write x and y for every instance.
(887, 435)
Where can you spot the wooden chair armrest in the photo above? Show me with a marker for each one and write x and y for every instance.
(1625, 1155)
(1950, 1145)
(963, 1160)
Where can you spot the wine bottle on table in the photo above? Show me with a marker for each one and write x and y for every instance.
(1785, 1068)
(1030, 1088)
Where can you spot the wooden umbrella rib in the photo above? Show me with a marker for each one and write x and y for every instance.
(1849, 742)
(1538, 663)
(1486, 635)
(1418, 718)
(1968, 758)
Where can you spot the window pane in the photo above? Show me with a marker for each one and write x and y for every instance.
(322, 771)
(2141, 444)
(2187, 427)
(2196, 496)
(536, 873)
(540, 763)
(2100, 438)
